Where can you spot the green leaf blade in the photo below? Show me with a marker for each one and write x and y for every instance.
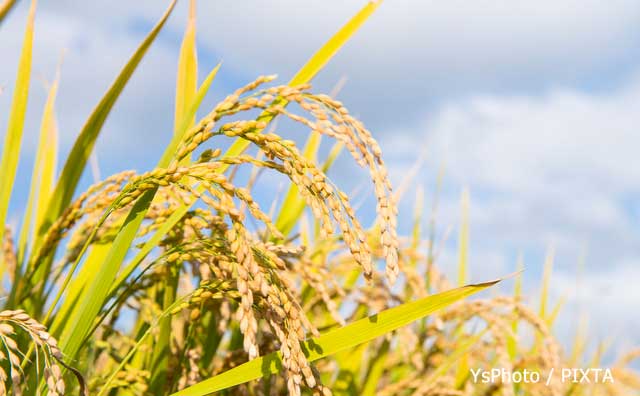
(317, 62)
(94, 295)
(81, 150)
(43, 175)
(15, 128)
(353, 334)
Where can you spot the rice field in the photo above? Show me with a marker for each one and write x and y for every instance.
(175, 281)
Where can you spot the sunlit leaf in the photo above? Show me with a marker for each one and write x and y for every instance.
(81, 150)
(13, 137)
(90, 303)
(334, 341)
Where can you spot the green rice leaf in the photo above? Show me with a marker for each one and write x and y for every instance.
(349, 361)
(463, 241)
(512, 342)
(127, 234)
(462, 369)
(49, 135)
(43, 175)
(546, 280)
(13, 138)
(353, 334)
(79, 155)
(187, 78)
(331, 47)
(553, 315)
(462, 349)
(187, 119)
(376, 369)
(186, 91)
(176, 216)
(317, 62)
(93, 296)
(97, 253)
(432, 227)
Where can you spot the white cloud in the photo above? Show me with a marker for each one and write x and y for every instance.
(500, 140)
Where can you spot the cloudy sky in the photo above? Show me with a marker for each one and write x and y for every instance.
(529, 104)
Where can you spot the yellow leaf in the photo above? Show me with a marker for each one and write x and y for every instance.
(13, 138)
(316, 63)
(463, 242)
(351, 335)
(79, 155)
(546, 279)
(42, 177)
(187, 78)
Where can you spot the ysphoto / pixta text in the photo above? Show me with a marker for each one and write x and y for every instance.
(529, 376)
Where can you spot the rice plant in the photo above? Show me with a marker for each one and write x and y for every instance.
(174, 281)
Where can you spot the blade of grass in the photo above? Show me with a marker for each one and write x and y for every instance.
(462, 369)
(50, 156)
(125, 237)
(417, 222)
(72, 298)
(202, 91)
(13, 138)
(317, 62)
(166, 227)
(91, 265)
(331, 47)
(580, 341)
(337, 340)
(187, 76)
(90, 306)
(432, 227)
(349, 361)
(186, 91)
(331, 157)
(553, 315)
(463, 241)
(461, 350)
(544, 295)
(77, 159)
(512, 341)
(43, 174)
(93, 296)
(546, 279)
(375, 371)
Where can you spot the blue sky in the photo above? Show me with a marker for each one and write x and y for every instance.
(531, 105)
